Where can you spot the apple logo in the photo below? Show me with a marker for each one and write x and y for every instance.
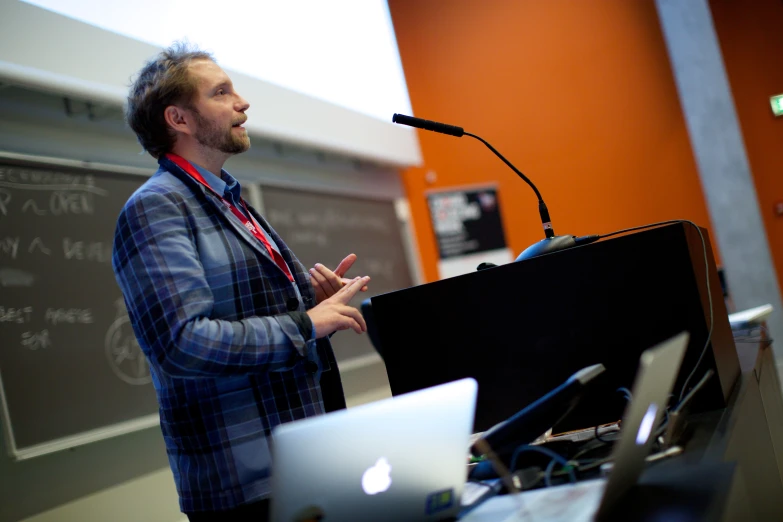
(645, 428)
(377, 478)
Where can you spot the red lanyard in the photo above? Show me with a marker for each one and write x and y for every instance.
(252, 227)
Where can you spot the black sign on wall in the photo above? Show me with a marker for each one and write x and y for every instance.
(466, 221)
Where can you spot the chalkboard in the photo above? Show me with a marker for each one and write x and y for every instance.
(71, 370)
(323, 227)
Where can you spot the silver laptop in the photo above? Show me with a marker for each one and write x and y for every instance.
(658, 370)
(402, 458)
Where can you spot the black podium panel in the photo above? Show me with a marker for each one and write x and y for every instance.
(521, 329)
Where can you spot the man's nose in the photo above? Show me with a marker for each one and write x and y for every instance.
(242, 104)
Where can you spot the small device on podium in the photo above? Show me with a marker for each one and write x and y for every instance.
(533, 420)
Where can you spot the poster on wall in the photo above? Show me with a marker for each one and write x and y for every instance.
(468, 229)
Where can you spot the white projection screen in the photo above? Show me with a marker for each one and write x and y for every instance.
(321, 74)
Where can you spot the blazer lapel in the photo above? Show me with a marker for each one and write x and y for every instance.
(221, 208)
(240, 229)
(301, 276)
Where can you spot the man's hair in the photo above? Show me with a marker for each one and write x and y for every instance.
(163, 81)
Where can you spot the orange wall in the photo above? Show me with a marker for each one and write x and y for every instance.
(751, 39)
(578, 94)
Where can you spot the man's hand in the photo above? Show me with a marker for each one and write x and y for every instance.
(334, 314)
(326, 283)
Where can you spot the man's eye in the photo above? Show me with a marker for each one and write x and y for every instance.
(221, 91)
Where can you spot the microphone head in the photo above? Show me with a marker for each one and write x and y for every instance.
(433, 126)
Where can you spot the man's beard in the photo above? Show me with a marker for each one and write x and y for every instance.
(209, 134)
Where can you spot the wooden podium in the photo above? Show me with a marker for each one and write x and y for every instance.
(521, 329)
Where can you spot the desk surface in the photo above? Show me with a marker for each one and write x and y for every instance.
(665, 492)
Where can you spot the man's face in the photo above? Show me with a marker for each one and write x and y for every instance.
(219, 111)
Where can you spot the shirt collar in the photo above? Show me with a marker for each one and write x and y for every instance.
(222, 184)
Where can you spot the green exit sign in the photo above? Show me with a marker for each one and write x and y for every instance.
(777, 104)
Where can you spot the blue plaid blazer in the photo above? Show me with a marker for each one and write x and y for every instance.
(228, 341)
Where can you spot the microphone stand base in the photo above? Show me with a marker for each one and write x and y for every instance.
(547, 246)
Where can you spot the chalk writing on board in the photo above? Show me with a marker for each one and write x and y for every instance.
(14, 277)
(30, 204)
(36, 340)
(17, 177)
(60, 333)
(19, 315)
(123, 352)
(51, 193)
(9, 246)
(37, 245)
(5, 199)
(54, 316)
(61, 203)
(87, 250)
(379, 268)
(329, 218)
(308, 237)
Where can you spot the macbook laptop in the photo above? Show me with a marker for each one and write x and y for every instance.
(402, 458)
(595, 499)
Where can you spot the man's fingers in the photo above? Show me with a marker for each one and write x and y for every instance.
(351, 289)
(345, 265)
(356, 315)
(346, 281)
(318, 278)
(327, 278)
(349, 322)
(349, 283)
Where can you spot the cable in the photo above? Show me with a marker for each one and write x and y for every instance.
(707, 273)
(591, 445)
(508, 163)
(548, 473)
(665, 424)
(594, 464)
(543, 211)
(546, 451)
(699, 385)
(598, 436)
(626, 393)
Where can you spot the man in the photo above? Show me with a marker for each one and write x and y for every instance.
(234, 327)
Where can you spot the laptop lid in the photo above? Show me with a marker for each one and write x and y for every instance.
(402, 458)
(658, 370)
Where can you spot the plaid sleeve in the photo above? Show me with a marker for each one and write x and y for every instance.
(169, 300)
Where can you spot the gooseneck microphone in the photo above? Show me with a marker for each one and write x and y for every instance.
(551, 243)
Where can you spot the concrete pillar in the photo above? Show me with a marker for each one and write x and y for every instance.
(716, 140)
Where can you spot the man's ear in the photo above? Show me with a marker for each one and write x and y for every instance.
(178, 119)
